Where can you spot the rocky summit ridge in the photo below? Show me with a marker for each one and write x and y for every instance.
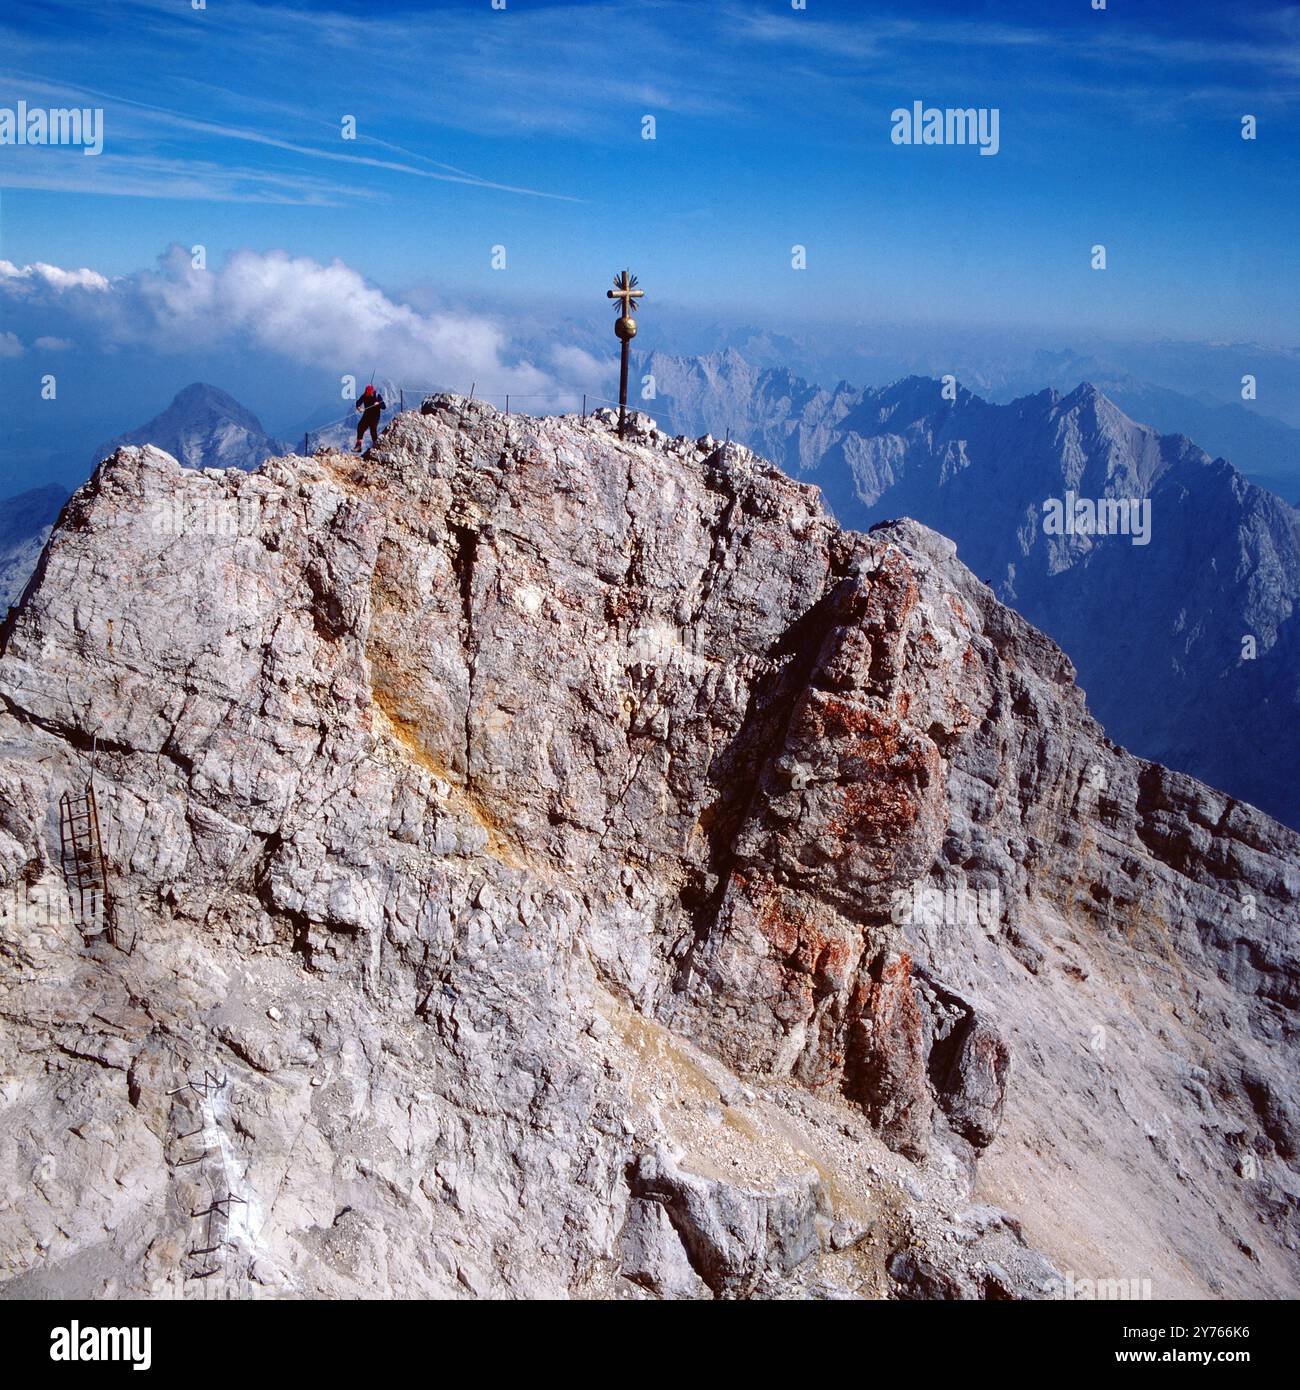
(565, 866)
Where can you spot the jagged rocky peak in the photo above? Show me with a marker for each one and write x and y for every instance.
(565, 865)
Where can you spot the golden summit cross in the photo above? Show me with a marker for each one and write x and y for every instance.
(626, 293)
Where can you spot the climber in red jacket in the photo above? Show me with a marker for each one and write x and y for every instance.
(371, 405)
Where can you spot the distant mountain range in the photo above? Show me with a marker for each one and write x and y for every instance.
(1226, 431)
(1265, 450)
(203, 427)
(1188, 645)
(1177, 388)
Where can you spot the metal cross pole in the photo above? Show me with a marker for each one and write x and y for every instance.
(626, 293)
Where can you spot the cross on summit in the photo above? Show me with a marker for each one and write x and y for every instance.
(625, 289)
(626, 292)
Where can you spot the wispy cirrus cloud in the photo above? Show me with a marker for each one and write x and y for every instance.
(419, 81)
(131, 170)
(151, 176)
(1163, 50)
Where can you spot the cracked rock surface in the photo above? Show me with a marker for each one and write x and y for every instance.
(560, 866)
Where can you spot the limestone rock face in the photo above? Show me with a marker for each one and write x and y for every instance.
(559, 866)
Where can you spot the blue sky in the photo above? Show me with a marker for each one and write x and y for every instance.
(522, 128)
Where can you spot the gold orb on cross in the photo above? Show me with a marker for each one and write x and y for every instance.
(626, 292)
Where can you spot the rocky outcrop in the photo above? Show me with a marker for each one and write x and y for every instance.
(565, 866)
(731, 1239)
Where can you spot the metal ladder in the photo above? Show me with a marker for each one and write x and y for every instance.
(85, 869)
(83, 858)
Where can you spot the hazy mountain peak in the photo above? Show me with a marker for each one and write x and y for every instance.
(1085, 393)
(200, 396)
(27, 512)
(204, 427)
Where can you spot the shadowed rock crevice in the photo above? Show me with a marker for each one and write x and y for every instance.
(737, 771)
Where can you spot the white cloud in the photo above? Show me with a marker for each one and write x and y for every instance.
(53, 276)
(10, 346)
(291, 307)
(47, 344)
(574, 373)
(575, 364)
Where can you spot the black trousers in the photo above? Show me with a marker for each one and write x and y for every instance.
(369, 421)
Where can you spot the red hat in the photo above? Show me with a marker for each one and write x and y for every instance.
(369, 391)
